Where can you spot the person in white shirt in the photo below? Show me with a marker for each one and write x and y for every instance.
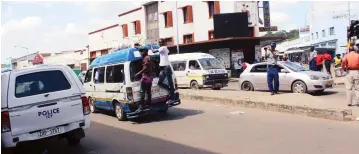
(166, 71)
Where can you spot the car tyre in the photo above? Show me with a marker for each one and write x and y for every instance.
(194, 85)
(247, 86)
(217, 88)
(119, 113)
(92, 106)
(299, 87)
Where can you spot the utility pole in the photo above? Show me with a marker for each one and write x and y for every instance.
(177, 27)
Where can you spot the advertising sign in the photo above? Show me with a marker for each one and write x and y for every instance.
(266, 29)
(251, 7)
(222, 55)
(266, 13)
(237, 59)
(258, 53)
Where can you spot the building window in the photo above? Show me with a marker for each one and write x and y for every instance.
(104, 52)
(323, 33)
(187, 14)
(213, 8)
(210, 35)
(331, 31)
(317, 35)
(168, 19)
(124, 30)
(93, 54)
(168, 41)
(188, 38)
(136, 27)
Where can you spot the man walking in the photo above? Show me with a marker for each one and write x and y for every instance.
(166, 71)
(350, 63)
(146, 79)
(272, 70)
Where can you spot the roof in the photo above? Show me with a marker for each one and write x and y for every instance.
(231, 39)
(185, 56)
(128, 12)
(119, 56)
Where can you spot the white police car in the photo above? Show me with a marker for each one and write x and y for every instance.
(42, 102)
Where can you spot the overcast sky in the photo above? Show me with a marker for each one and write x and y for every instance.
(59, 26)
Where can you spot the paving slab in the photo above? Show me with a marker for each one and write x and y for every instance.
(301, 104)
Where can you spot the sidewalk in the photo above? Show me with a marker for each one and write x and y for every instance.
(300, 104)
(337, 80)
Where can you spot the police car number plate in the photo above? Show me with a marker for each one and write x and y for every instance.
(49, 132)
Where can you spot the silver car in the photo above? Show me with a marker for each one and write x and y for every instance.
(292, 77)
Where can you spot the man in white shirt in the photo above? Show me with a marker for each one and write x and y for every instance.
(166, 71)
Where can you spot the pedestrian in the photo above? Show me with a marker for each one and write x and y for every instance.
(313, 59)
(350, 64)
(146, 79)
(272, 70)
(319, 61)
(337, 61)
(166, 71)
(327, 62)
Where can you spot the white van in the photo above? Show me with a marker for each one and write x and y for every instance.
(198, 70)
(117, 90)
(41, 102)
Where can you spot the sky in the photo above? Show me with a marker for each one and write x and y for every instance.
(59, 26)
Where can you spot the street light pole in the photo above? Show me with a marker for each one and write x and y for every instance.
(177, 28)
(349, 12)
(27, 49)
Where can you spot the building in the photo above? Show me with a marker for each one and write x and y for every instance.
(75, 59)
(29, 60)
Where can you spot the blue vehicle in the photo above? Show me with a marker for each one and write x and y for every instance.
(111, 85)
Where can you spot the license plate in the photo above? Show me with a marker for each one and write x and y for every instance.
(155, 90)
(49, 132)
(330, 83)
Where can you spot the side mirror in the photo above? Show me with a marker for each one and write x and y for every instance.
(284, 71)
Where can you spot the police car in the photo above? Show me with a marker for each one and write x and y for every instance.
(42, 102)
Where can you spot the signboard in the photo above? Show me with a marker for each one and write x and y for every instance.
(266, 13)
(266, 29)
(237, 59)
(222, 55)
(304, 29)
(251, 7)
(258, 53)
(343, 16)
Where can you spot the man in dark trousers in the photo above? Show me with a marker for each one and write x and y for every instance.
(146, 79)
(272, 70)
(166, 71)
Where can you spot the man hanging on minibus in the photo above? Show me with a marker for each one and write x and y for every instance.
(166, 71)
(146, 79)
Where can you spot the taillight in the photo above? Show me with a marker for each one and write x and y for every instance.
(176, 86)
(85, 105)
(5, 122)
(129, 93)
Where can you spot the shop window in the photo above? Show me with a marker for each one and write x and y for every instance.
(99, 75)
(331, 31)
(114, 74)
(188, 38)
(187, 14)
(210, 35)
(168, 19)
(124, 30)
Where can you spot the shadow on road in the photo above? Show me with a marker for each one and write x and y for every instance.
(102, 139)
(324, 93)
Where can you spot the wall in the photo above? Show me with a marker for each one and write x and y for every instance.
(104, 39)
(129, 19)
(68, 58)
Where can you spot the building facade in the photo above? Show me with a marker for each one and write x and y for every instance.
(29, 60)
(75, 59)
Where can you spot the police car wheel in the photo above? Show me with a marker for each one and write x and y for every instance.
(120, 115)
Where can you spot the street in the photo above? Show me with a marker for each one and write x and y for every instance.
(199, 127)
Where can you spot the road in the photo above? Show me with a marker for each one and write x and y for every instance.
(199, 127)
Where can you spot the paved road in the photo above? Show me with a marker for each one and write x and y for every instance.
(198, 127)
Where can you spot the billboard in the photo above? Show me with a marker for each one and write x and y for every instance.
(266, 13)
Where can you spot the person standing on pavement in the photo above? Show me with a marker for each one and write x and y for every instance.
(146, 79)
(337, 61)
(312, 59)
(166, 71)
(350, 64)
(319, 61)
(272, 70)
(327, 62)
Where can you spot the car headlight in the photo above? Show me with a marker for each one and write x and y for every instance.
(313, 77)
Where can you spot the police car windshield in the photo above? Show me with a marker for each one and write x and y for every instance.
(210, 63)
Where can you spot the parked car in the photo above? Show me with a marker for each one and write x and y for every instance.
(292, 77)
(42, 102)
